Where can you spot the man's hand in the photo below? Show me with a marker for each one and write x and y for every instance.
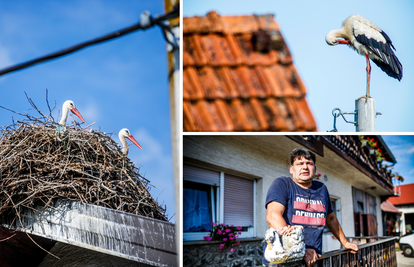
(353, 247)
(311, 257)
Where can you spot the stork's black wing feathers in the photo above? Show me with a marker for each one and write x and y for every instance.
(389, 62)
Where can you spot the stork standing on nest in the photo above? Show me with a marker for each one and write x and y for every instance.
(370, 41)
(61, 131)
(123, 134)
(69, 106)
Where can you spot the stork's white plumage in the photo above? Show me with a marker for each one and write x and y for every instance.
(369, 40)
(123, 134)
(69, 106)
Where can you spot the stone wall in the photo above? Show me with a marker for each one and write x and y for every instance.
(208, 253)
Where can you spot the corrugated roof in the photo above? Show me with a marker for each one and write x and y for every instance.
(406, 197)
(238, 75)
(389, 207)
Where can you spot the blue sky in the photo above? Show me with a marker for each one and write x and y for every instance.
(402, 147)
(336, 76)
(117, 84)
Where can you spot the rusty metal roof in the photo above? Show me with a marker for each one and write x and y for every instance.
(238, 75)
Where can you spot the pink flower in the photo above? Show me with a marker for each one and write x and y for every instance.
(239, 233)
(228, 230)
(219, 232)
(230, 234)
(206, 237)
(222, 224)
(239, 228)
(221, 246)
(209, 238)
(207, 230)
(213, 224)
(238, 242)
(232, 225)
(231, 238)
(224, 239)
(232, 250)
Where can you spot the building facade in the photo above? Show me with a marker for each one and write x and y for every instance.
(226, 179)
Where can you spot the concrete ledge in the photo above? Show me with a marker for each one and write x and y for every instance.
(109, 231)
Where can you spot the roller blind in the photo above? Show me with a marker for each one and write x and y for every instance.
(238, 200)
(196, 174)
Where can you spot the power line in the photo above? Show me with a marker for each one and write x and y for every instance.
(139, 26)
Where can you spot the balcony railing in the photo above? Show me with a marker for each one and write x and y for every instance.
(351, 149)
(377, 253)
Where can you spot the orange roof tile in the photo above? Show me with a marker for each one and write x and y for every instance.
(406, 197)
(236, 78)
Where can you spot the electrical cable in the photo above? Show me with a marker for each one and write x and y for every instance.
(157, 21)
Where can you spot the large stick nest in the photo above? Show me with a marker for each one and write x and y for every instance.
(85, 166)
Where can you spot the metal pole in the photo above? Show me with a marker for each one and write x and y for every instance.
(176, 109)
(365, 114)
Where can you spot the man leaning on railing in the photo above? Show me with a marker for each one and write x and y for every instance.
(302, 201)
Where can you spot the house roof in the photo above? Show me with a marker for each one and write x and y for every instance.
(406, 197)
(389, 207)
(238, 75)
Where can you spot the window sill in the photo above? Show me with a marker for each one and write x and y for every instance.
(203, 242)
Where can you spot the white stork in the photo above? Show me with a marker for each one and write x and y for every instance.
(368, 39)
(69, 106)
(61, 132)
(123, 134)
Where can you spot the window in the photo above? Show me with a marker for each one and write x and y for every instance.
(219, 197)
(198, 207)
(336, 204)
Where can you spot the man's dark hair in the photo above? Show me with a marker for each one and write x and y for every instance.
(300, 152)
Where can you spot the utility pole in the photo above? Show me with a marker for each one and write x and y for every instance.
(173, 53)
(364, 115)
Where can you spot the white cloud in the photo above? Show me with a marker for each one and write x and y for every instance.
(5, 59)
(90, 113)
(152, 149)
(157, 168)
(411, 150)
(411, 172)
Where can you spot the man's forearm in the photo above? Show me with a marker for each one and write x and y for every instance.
(336, 229)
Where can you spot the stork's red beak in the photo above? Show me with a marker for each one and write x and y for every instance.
(130, 137)
(340, 41)
(77, 113)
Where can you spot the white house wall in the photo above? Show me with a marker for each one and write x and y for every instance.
(405, 209)
(232, 154)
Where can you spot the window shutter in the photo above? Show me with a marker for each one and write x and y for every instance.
(196, 174)
(238, 201)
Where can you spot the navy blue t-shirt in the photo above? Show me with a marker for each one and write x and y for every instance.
(306, 207)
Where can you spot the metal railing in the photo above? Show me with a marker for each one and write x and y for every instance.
(377, 253)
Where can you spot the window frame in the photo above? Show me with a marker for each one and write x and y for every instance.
(218, 208)
(337, 211)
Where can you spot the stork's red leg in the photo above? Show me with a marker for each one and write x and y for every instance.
(368, 75)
